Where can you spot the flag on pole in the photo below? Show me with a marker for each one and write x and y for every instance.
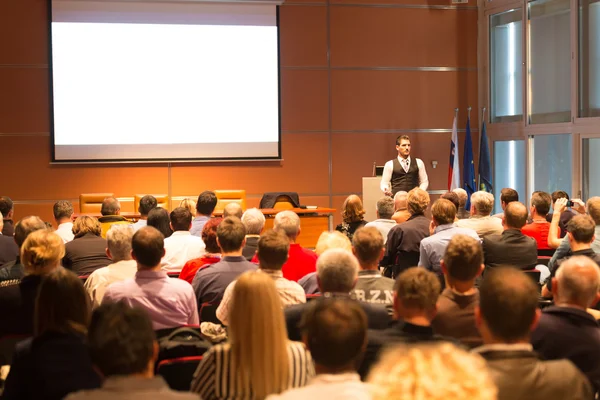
(485, 165)
(469, 183)
(454, 169)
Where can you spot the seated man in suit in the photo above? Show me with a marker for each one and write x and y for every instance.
(402, 247)
(14, 269)
(415, 297)
(111, 210)
(506, 314)
(566, 330)
(511, 247)
(337, 271)
(480, 220)
(8, 247)
(7, 209)
(254, 221)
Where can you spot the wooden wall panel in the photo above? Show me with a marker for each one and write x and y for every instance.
(24, 100)
(371, 100)
(304, 100)
(303, 36)
(23, 32)
(391, 37)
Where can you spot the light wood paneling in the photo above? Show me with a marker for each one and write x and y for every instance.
(23, 32)
(303, 36)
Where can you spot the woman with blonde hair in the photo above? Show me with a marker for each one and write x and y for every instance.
(352, 215)
(190, 204)
(87, 251)
(431, 372)
(258, 360)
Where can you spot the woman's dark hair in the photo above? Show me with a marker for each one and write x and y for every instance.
(62, 304)
(159, 218)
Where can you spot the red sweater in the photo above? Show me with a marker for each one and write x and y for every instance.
(539, 231)
(188, 272)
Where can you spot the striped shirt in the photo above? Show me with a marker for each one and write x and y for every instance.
(290, 293)
(213, 380)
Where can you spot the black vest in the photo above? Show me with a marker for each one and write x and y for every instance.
(404, 181)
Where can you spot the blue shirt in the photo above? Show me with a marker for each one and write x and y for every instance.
(198, 224)
(433, 247)
(210, 282)
(565, 248)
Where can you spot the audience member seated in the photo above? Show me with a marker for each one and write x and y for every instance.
(190, 204)
(124, 349)
(14, 269)
(56, 361)
(415, 296)
(212, 255)
(63, 215)
(147, 204)
(169, 302)
(335, 332)
(442, 229)
(452, 198)
(258, 360)
(41, 253)
(566, 330)
(327, 240)
(401, 213)
(205, 206)
(9, 250)
(337, 272)
(111, 210)
(159, 218)
(402, 247)
(210, 283)
(371, 286)
(591, 207)
(539, 227)
(352, 216)
(581, 235)
(462, 264)
(273, 248)
(254, 221)
(505, 316)
(480, 220)
(511, 247)
(87, 251)
(7, 210)
(123, 266)
(384, 221)
(431, 372)
(181, 246)
(233, 210)
(462, 212)
(507, 195)
(565, 215)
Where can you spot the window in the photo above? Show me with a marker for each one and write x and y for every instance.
(509, 168)
(506, 59)
(589, 58)
(552, 159)
(591, 164)
(549, 56)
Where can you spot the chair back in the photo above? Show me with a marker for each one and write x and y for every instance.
(208, 313)
(179, 372)
(225, 197)
(283, 202)
(91, 203)
(534, 274)
(546, 252)
(161, 199)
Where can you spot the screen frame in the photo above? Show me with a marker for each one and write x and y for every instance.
(214, 160)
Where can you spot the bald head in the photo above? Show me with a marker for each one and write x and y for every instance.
(233, 210)
(400, 202)
(577, 282)
(515, 215)
(110, 206)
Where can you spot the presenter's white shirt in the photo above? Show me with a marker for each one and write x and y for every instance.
(388, 169)
(181, 247)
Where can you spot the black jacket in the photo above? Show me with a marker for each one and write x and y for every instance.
(8, 249)
(17, 300)
(403, 244)
(511, 248)
(86, 254)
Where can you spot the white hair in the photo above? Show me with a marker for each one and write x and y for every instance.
(337, 270)
(232, 209)
(254, 221)
(287, 222)
(401, 200)
(483, 202)
(578, 281)
(462, 196)
(118, 240)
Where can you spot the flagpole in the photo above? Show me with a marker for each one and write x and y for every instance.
(482, 122)
(469, 110)
(456, 112)
(483, 115)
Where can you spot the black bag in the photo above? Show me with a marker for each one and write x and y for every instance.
(182, 342)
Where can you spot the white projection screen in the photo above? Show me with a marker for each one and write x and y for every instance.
(164, 81)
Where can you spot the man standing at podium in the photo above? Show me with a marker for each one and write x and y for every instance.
(403, 172)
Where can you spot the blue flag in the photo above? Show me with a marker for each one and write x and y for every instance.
(469, 183)
(485, 165)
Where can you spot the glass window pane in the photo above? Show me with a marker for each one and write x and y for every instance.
(552, 157)
(506, 59)
(549, 56)
(509, 168)
(591, 166)
(589, 58)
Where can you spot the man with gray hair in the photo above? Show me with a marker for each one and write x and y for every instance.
(300, 261)
(567, 330)
(462, 213)
(123, 266)
(233, 209)
(111, 210)
(254, 221)
(337, 272)
(63, 215)
(384, 221)
(481, 221)
(8, 248)
(401, 212)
